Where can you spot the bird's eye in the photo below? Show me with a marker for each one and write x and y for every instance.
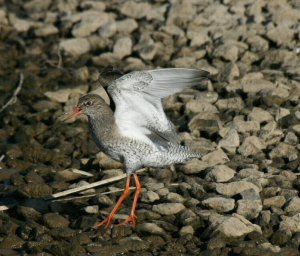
(88, 103)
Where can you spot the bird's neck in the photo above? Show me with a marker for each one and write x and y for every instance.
(103, 126)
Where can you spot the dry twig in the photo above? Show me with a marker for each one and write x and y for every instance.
(92, 185)
(13, 98)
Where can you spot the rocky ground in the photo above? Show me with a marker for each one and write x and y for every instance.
(241, 198)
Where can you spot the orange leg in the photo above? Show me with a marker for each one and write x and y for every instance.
(111, 216)
(132, 217)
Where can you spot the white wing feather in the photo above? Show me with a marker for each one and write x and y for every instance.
(137, 96)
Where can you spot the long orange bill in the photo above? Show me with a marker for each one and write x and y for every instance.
(73, 113)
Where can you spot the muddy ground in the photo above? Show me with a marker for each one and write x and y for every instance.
(240, 198)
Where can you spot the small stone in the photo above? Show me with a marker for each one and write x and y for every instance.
(75, 46)
(293, 205)
(198, 106)
(250, 209)
(154, 186)
(260, 115)
(149, 197)
(251, 146)
(194, 166)
(230, 141)
(126, 26)
(275, 97)
(47, 30)
(275, 201)
(168, 208)
(254, 85)
(151, 228)
(233, 226)
(175, 198)
(220, 173)
(123, 47)
(290, 225)
(29, 213)
(187, 230)
(245, 126)
(291, 139)
(234, 188)
(284, 150)
(107, 163)
(230, 103)
(105, 200)
(35, 190)
(220, 204)
(11, 242)
(280, 35)
(90, 21)
(216, 157)
(54, 220)
(228, 52)
(91, 209)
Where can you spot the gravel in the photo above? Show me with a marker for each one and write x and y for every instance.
(240, 198)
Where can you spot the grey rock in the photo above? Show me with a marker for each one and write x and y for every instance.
(250, 209)
(151, 228)
(108, 30)
(198, 106)
(230, 103)
(234, 188)
(149, 197)
(257, 43)
(254, 85)
(54, 220)
(11, 242)
(232, 226)
(174, 198)
(75, 46)
(186, 230)
(46, 30)
(154, 186)
(220, 204)
(215, 158)
(284, 150)
(230, 141)
(194, 166)
(105, 200)
(90, 21)
(276, 96)
(107, 163)
(123, 47)
(293, 205)
(290, 225)
(251, 146)
(168, 208)
(260, 115)
(280, 35)
(205, 121)
(245, 126)
(275, 201)
(227, 52)
(91, 209)
(220, 173)
(126, 26)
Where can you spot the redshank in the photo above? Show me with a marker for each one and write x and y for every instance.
(138, 133)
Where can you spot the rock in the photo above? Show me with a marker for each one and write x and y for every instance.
(233, 226)
(207, 122)
(71, 174)
(168, 208)
(75, 46)
(230, 103)
(123, 47)
(149, 197)
(175, 198)
(154, 186)
(260, 115)
(276, 96)
(280, 35)
(220, 173)
(186, 230)
(107, 163)
(284, 150)
(29, 213)
(47, 30)
(151, 228)
(290, 225)
(250, 209)
(193, 166)
(275, 201)
(198, 106)
(35, 190)
(216, 157)
(126, 26)
(252, 85)
(257, 43)
(251, 146)
(245, 126)
(90, 21)
(220, 204)
(229, 72)
(11, 242)
(293, 205)
(54, 220)
(234, 188)
(105, 200)
(228, 52)
(20, 25)
(230, 141)
(91, 209)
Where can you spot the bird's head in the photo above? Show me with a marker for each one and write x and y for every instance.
(89, 105)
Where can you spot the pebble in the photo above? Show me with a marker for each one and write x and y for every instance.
(123, 47)
(250, 209)
(252, 145)
(220, 173)
(54, 220)
(220, 204)
(168, 208)
(149, 197)
(234, 188)
(75, 46)
(293, 205)
(275, 201)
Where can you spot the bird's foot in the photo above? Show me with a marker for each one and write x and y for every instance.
(107, 222)
(130, 219)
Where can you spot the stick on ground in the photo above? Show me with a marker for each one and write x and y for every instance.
(92, 185)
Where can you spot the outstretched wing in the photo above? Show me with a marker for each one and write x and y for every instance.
(139, 113)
